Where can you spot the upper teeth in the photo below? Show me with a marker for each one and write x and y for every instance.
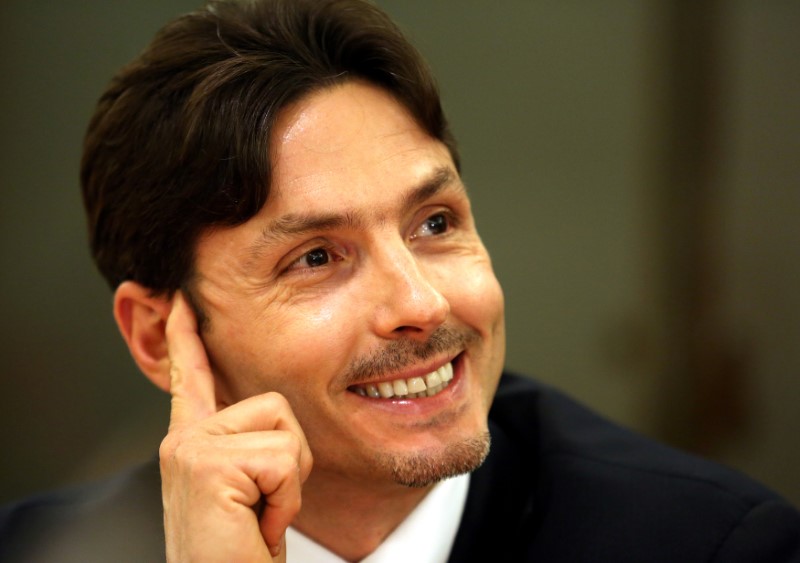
(412, 387)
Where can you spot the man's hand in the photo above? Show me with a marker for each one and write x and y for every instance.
(231, 479)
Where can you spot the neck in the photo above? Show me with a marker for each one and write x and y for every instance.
(353, 519)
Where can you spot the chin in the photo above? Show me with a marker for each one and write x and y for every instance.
(427, 467)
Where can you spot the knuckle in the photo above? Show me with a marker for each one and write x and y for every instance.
(293, 505)
(289, 441)
(166, 451)
(297, 450)
(285, 464)
(306, 464)
(180, 450)
(275, 400)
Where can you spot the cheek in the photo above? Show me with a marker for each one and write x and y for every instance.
(284, 349)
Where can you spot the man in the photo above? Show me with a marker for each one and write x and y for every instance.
(274, 195)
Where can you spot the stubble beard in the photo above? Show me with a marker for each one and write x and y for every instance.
(426, 468)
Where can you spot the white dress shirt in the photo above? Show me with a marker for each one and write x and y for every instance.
(425, 536)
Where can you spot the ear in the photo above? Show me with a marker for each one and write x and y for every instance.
(141, 318)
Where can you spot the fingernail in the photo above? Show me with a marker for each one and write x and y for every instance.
(276, 550)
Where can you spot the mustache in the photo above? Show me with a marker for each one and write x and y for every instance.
(403, 352)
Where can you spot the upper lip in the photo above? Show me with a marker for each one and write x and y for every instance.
(413, 371)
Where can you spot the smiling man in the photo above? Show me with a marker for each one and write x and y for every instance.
(361, 294)
(274, 195)
(365, 270)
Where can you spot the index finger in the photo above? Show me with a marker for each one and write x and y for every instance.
(191, 380)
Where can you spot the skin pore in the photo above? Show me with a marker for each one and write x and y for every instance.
(364, 270)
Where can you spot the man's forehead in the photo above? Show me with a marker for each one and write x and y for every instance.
(347, 129)
(326, 117)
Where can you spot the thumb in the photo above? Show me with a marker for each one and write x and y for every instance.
(279, 551)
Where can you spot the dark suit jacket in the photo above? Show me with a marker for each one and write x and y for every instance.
(560, 484)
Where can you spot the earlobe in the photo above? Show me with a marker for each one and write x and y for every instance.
(141, 318)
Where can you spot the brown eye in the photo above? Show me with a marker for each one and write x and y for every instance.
(433, 225)
(437, 224)
(317, 257)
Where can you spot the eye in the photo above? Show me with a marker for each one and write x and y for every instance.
(312, 259)
(317, 257)
(433, 225)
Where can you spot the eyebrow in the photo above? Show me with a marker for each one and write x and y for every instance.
(441, 178)
(294, 225)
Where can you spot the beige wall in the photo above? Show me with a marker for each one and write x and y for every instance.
(559, 107)
(760, 233)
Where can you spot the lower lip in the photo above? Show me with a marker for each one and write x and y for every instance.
(421, 405)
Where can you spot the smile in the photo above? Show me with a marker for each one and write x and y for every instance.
(411, 388)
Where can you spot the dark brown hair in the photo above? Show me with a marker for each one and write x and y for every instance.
(179, 140)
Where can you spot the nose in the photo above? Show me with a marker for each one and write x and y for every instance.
(409, 304)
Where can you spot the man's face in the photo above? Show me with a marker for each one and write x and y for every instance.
(361, 274)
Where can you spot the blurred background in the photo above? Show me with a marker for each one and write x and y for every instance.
(635, 171)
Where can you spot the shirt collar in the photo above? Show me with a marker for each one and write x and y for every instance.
(425, 536)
